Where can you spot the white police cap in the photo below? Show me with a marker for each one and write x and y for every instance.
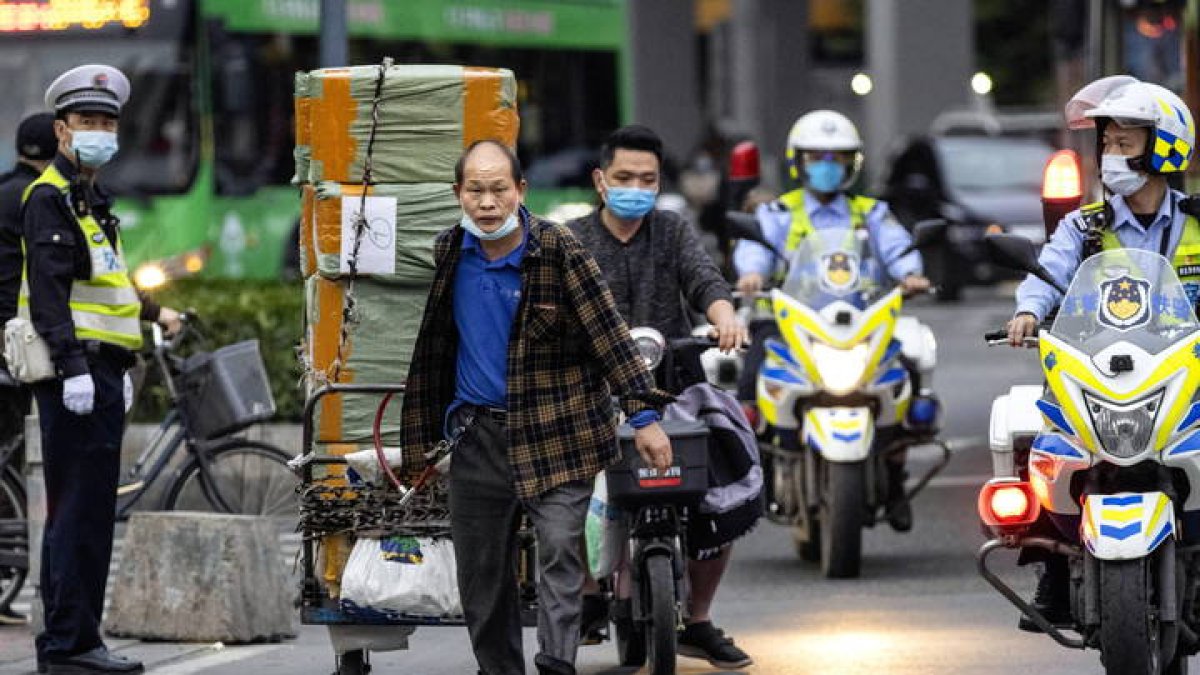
(92, 88)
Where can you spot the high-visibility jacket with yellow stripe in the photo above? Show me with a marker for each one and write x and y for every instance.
(1185, 259)
(104, 307)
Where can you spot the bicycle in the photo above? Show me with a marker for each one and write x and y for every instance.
(223, 472)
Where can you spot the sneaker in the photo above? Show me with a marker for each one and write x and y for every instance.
(1052, 599)
(706, 641)
(9, 617)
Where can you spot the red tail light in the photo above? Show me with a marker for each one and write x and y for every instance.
(1006, 503)
(1061, 179)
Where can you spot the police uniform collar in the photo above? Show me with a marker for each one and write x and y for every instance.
(838, 204)
(66, 167)
(1122, 215)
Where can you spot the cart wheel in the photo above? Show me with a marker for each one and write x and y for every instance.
(354, 663)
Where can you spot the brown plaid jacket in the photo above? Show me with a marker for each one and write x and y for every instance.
(568, 353)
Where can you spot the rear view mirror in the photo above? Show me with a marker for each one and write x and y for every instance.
(1018, 253)
(742, 225)
(926, 233)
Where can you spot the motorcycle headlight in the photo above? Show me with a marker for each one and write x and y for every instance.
(651, 345)
(841, 369)
(1124, 430)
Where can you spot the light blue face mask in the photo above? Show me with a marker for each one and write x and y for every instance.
(629, 203)
(94, 148)
(510, 225)
(825, 175)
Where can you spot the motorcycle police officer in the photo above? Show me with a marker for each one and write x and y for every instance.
(824, 153)
(80, 298)
(1144, 133)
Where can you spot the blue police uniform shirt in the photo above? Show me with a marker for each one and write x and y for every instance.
(486, 296)
(1061, 256)
(887, 236)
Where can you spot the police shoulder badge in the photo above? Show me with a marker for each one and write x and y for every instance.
(839, 271)
(1124, 303)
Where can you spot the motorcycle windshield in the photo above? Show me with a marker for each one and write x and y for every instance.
(1128, 296)
(833, 265)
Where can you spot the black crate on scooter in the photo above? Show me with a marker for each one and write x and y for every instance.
(632, 484)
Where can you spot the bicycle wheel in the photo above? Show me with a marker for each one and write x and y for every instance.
(14, 535)
(244, 477)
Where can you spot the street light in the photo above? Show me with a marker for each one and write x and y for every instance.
(861, 84)
(981, 83)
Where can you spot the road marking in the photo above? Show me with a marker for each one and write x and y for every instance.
(223, 656)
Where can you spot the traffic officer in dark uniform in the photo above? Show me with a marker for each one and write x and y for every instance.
(36, 146)
(82, 302)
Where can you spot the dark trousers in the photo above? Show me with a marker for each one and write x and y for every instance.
(484, 516)
(760, 331)
(82, 459)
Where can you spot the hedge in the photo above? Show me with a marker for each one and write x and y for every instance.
(235, 310)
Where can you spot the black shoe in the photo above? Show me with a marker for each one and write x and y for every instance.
(8, 617)
(99, 660)
(706, 641)
(593, 621)
(548, 665)
(1052, 598)
(899, 509)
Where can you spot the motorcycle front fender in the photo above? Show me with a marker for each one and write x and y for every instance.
(840, 434)
(1127, 525)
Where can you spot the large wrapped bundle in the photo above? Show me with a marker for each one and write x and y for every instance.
(427, 115)
(378, 348)
(397, 249)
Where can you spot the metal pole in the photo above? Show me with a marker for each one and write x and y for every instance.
(333, 34)
(35, 490)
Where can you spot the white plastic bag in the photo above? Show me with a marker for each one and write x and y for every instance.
(604, 531)
(400, 577)
(366, 463)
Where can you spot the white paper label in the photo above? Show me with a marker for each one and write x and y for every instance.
(377, 250)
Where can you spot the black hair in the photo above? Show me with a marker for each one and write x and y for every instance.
(631, 137)
(514, 162)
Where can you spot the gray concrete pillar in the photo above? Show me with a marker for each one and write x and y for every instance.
(769, 74)
(920, 55)
(666, 86)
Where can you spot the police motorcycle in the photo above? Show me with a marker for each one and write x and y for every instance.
(836, 396)
(1113, 443)
(654, 507)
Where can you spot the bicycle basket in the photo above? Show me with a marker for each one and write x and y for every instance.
(225, 390)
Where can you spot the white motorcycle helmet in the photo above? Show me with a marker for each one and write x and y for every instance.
(1132, 103)
(824, 130)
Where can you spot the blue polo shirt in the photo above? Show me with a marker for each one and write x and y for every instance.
(486, 296)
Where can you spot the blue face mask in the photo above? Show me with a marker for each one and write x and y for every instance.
(825, 175)
(94, 148)
(629, 203)
(510, 225)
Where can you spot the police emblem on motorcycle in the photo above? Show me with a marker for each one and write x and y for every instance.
(841, 271)
(1124, 302)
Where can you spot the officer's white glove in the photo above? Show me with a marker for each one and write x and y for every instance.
(128, 391)
(79, 393)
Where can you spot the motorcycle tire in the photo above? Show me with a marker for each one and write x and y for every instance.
(1129, 631)
(841, 520)
(661, 636)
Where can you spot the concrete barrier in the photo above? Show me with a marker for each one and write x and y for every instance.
(201, 577)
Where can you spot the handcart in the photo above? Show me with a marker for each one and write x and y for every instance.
(332, 510)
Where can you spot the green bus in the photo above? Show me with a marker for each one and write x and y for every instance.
(204, 174)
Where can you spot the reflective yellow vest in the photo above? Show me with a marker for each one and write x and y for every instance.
(801, 226)
(1186, 258)
(104, 307)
